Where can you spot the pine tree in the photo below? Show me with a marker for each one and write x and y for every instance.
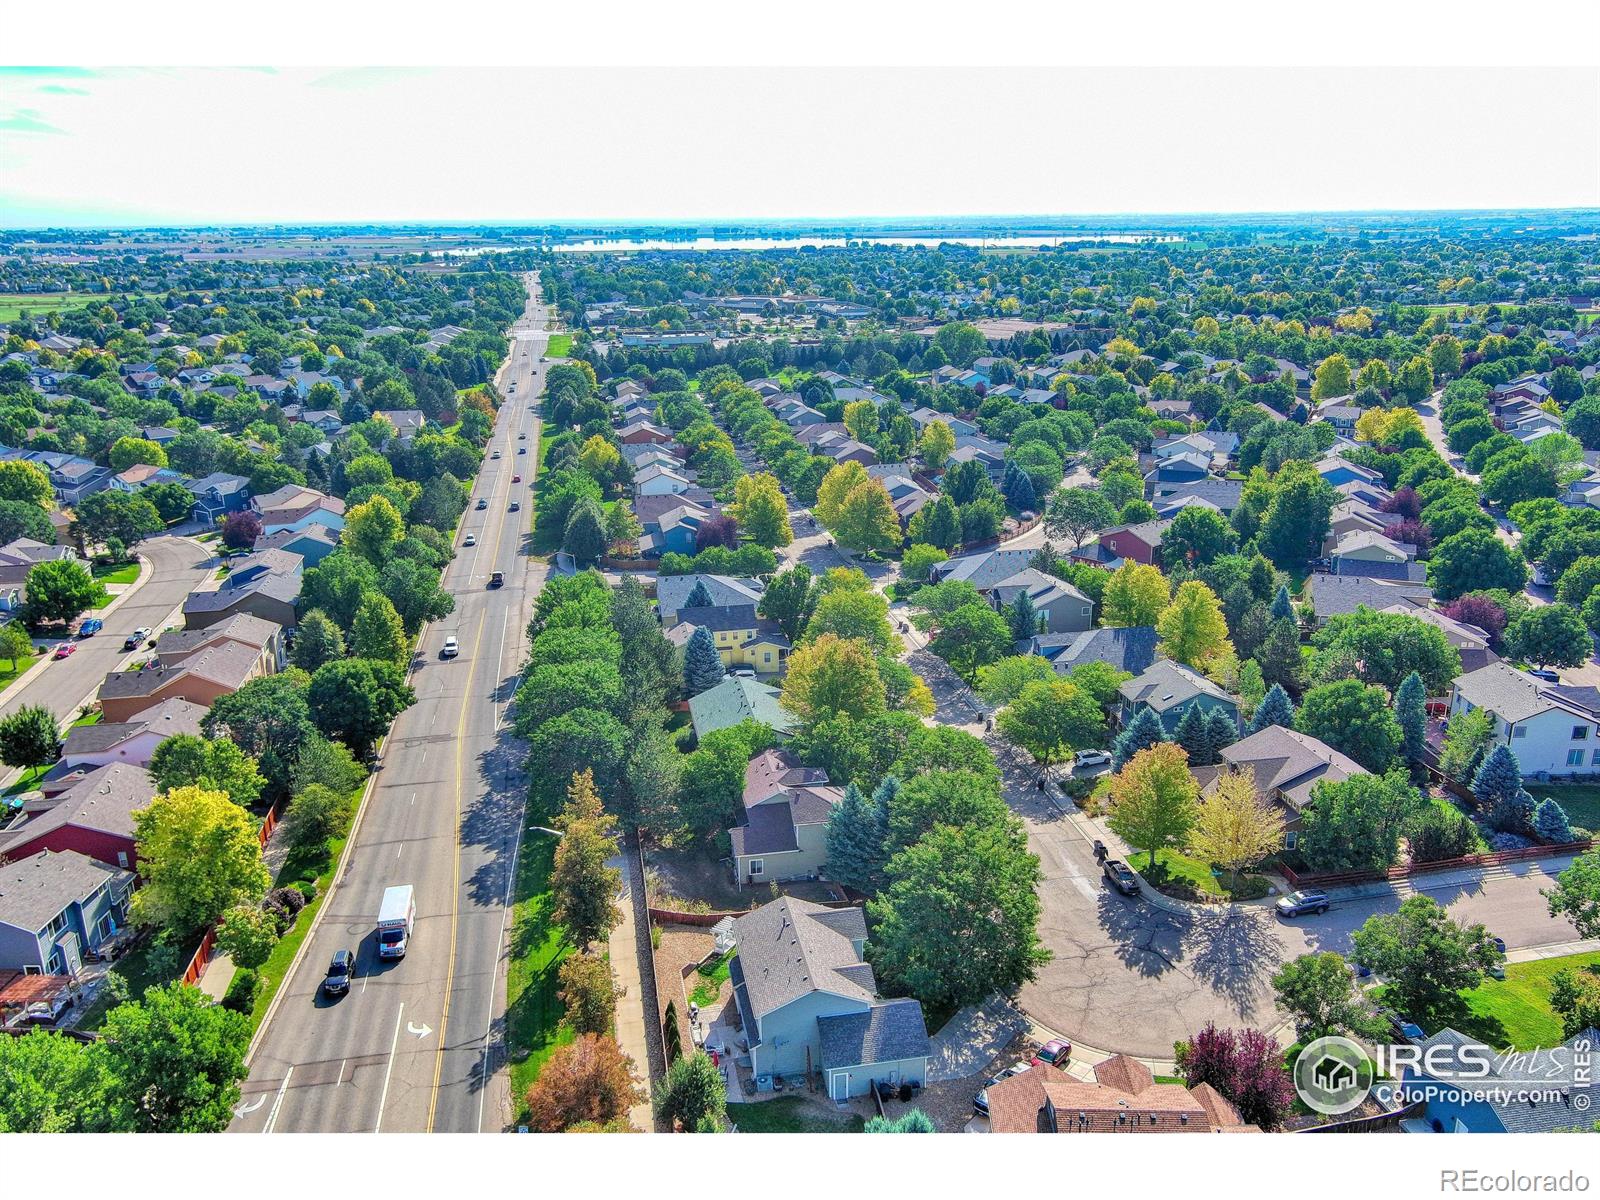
(1222, 731)
(1411, 712)
(1282, 606)
(1550, 823)
(699, 597)
(1499, 791)
(1191, 735)
(855, 841)
(1017, 487)
(1142, 732)
(671, 1035)
(1023, 616)
(1275, 709)
(702, 665)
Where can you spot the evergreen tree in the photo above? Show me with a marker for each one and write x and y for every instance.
(1141, 733)
(1017, 487)
(1499, 791)
(671, 1035)
(700, 597)
(702, 665)
(1550, 823)
(1282, 606)
(1191, 734)
(1275, 709)
(855, 842)
(1023, 616)
(1222, 731)
(1410, 710)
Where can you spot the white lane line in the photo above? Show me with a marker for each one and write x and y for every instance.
(277, 1103)
(389, 1070)
(413, 797)
(424, 757)
(401, 850)
(340, 1078)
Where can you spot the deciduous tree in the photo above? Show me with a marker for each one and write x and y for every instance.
(1153, 799)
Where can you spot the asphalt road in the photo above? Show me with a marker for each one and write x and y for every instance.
(417, 1044)
(178, 566)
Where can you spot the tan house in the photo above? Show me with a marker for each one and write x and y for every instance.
(264, 637)
(1123, 1098)
(1287, 766)
(782, 832)
(201, 679)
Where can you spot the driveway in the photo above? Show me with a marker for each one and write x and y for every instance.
(973, 1038)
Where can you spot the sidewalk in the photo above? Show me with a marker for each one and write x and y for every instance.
(219, 972)
(622, 950)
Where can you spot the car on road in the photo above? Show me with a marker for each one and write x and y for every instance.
(91, 627)
(980, 1102)
(470, 540)
(496, 454)
(1120, 876)
(482, 504)
(1057, 1052)
(1545, 673)
(516, 479)
(1297, 904)
(515, 506)
(65, 650)
(498, 579)
(451, 648)
(337, 981)
(1091, 758)
(522, 449)
(522, 437)
(135, 639)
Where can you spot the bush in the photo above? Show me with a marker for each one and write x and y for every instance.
(242, 992)
(1509, 841)
(307, 888)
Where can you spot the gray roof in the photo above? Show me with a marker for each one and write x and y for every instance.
(1224, 493)
(1132, 648)
(241, 627)
(1042, 589)
(735, 699)
(1550, 1077)
(33, 890)
(1166, 684)
(985, 570)
(104, 799)
(791, 948)
(1513, 695)
(1335, 594)
(886, 1032)
(1289, 764)
(672, 591)
(169, 718)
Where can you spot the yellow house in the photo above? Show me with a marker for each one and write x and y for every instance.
(743, 639)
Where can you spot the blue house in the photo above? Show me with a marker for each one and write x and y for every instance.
(1171, 689)
(54, 906)
(218, 494)
(1533, 1092)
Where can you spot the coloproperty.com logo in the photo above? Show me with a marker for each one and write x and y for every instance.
(1335, 1075)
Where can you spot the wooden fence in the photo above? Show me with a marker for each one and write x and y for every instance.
(207, 948)
(1491, 859)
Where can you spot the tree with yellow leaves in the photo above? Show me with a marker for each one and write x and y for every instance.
(1192, 628)
(1236, 828)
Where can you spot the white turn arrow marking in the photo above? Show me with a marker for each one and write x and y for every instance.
(245, 1109)
(411, 1027)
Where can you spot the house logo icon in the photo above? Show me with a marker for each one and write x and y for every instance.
(1333, 1075)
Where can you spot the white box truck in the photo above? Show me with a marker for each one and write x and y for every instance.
(396, 915)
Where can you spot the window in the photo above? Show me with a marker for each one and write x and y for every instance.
(1594, 759)
(758, 866)
(1290, 838)
(1519, 731)
(1574, 758)
(122, 859)
(1579, 732)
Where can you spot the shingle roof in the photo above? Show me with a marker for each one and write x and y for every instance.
(1131, 648)
(887, 1032)
(672, 591)
(1166, 684)
(1289, 763)
(104, 800)
(33, 890)
(1334, 594)
(1510, 694)
(985, 570)
(791, 948)
(721, 618)
(735, 699)
(169, 718)
(228, 664)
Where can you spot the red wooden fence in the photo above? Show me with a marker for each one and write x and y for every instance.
(1491, 859)
(202, 957)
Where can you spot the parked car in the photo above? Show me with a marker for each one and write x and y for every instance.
(1297, 904)
(1120, 876)
(65, 650)
(1545, 673)
(337, 981)
(1091, 758)
(451, 648)
(1401, 1024)
(980, 1102)
(470, 540)
(482, 504)
(744, 670)
(1498, 971)
(91, 627)
(135, 639)
(1057, 1052)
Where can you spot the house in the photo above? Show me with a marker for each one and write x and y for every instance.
(984, 570)
(673, 592)
(1058, 606)
(1131, 648)
(1287, 766)
(1531, 1092)
(93, 817)
(742, 638)
(923, 417)
(142, 475)
(1122, 1097)
(1335, 470)
(54, 907)
(738, 698)
(660, 481)
(988, 454)
(1331, 595)
(643, 432)
(312, 543)
(808, 1002)
(265, 637)
(1169, 690)
(132, 741)
(1222, 494)
(1141, 542)
(1340, 412)
(200, 679)
(407, 422)
(25, 552)
(675, 531)
(782, 829)
(1188, 467)
(1553, 729)
(1472, 642)
(217, 495)
(294, 507)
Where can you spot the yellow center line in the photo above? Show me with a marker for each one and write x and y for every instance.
(455, 888)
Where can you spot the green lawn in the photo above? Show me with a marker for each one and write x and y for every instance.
(135, 967)
(1182, 872)
(87, 719)
(116, 572)
(10, 670)
(1581, 800)
(790, 1114)
(1515, 1011)
(560, 345)
(533, 1008)
(709, 980)
(40, 304)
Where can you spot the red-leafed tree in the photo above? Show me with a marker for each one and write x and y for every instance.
(240, 530)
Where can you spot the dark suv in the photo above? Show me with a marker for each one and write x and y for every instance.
(340, 969)
(1120, 876)
(1297, 904)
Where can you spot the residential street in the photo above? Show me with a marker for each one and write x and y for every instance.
(416, 1044)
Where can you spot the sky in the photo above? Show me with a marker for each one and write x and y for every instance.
(90, 146)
